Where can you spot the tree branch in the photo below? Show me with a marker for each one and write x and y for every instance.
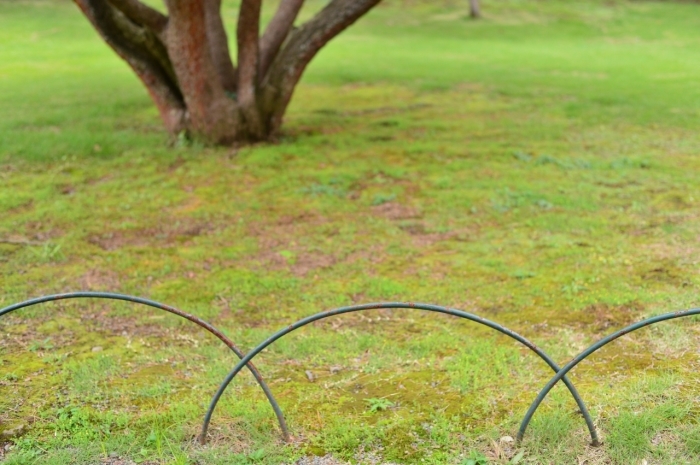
(141, 14)
(146, 55)
(303, 44)
(218, 45)
(248, 58)
(140, 39)
(276, 32)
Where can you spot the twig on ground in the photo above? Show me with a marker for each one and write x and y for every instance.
(19, 242)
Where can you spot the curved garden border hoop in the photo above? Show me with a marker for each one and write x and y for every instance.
(401, 305)
(561, 374)
(196, 320)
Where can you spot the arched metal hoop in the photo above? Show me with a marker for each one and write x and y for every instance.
(169, 309)
(561, 374)
(403, 305)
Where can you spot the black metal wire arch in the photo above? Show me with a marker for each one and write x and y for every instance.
(196, 320)
(374, 306)
(561, 374)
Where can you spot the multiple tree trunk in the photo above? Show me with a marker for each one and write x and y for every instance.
(183, 60)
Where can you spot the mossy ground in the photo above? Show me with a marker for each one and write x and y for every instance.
(539, 168)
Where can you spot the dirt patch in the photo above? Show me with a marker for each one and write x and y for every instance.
(175, 164)
(307, 262)
(384, 320)
(112, 460)
(18, 332)
(325, 460)
(372, 254)
(285, 231)
(500, 305)
(22, 207)
(5, 448)
(103, 322)
(423, 237)
(67, 330)
(592, 455)
(99, 280)
(119, 461)
(676, 200)
(280, 247)
(604, 317)
(666, 272)
(366, 458)
(247, 319)
(409, 219)
(40, 231)
(395, 211)
(296, 244)
(165, 234)
(665, 439)
(675, 251)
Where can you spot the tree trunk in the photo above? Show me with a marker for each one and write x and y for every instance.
(210, 113)
(474, 9)
(183, 60)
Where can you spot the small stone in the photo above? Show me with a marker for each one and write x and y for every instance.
(507, 439)
(335, 369)
(97, 349)
(14, 432)
(309, 376)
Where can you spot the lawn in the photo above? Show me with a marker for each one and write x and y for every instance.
(538, 168)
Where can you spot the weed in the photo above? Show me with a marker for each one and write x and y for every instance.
(522, 156)
(333, 188)
(375, 405)
(47, 252)
(381, 199)
(549, 160)
(691, 437)
(41, 345)
(522, 274)
(476, 458)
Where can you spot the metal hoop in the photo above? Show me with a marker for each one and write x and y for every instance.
(561, 374)
(373, 306)
(196, 320)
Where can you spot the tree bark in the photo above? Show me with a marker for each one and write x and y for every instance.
(248, 60)
(276, 32)
(218, 45)
(211, 113)
(142, 15)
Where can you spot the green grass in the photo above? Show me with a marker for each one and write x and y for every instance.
(538, 168)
